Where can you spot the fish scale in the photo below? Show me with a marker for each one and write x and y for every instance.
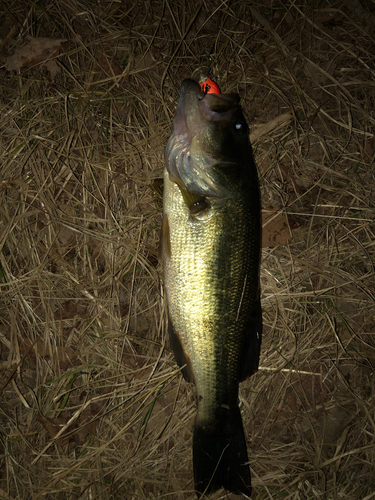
(205, 293)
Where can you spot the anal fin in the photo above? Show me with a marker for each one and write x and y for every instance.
(251, 350)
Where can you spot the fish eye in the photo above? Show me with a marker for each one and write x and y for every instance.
(240, 126)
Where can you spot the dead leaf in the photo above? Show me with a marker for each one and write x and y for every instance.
(320, 75)
(161, 411)
(53, 426)
(143, 62)
(84, 425)
(70, 309)
(52, 67)
(55, 257)
(66, 357)
(369, 148)
(38, 50)
(267, 128)
(110, 67)
(276, 227)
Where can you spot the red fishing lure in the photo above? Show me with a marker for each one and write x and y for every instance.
(209, 87)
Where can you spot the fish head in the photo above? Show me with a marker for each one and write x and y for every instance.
(209, 152)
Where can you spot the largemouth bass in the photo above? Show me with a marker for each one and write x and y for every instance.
(211, 251)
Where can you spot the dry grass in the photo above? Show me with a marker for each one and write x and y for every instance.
(92, 405)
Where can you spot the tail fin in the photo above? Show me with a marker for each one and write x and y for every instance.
(220, 456)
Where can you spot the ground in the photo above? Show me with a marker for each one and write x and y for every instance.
(92, 403)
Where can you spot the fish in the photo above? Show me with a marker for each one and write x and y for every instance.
(211, 234)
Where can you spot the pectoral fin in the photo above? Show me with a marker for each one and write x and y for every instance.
(179, 354)
(196, 203)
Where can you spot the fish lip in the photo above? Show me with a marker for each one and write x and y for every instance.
(191, 90)
(190, 84)
(190, 97)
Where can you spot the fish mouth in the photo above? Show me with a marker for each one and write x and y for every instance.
(193, 168)
(195, 105)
